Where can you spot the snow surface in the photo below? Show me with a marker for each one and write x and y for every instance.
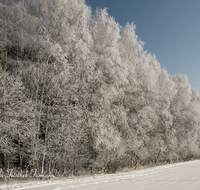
(184, 176)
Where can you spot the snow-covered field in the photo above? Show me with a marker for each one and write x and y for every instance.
(184, 176)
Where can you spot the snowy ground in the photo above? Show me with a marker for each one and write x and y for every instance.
(184, 176)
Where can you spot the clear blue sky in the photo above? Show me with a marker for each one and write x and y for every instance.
(169, 28)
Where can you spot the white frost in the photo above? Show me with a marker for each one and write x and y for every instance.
(98, 180)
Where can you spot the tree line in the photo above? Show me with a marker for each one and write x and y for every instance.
(79, 94)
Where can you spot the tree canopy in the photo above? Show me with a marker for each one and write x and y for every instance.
(78, 93)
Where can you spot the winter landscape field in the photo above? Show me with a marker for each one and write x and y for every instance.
(80, 96)
(179, 176)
